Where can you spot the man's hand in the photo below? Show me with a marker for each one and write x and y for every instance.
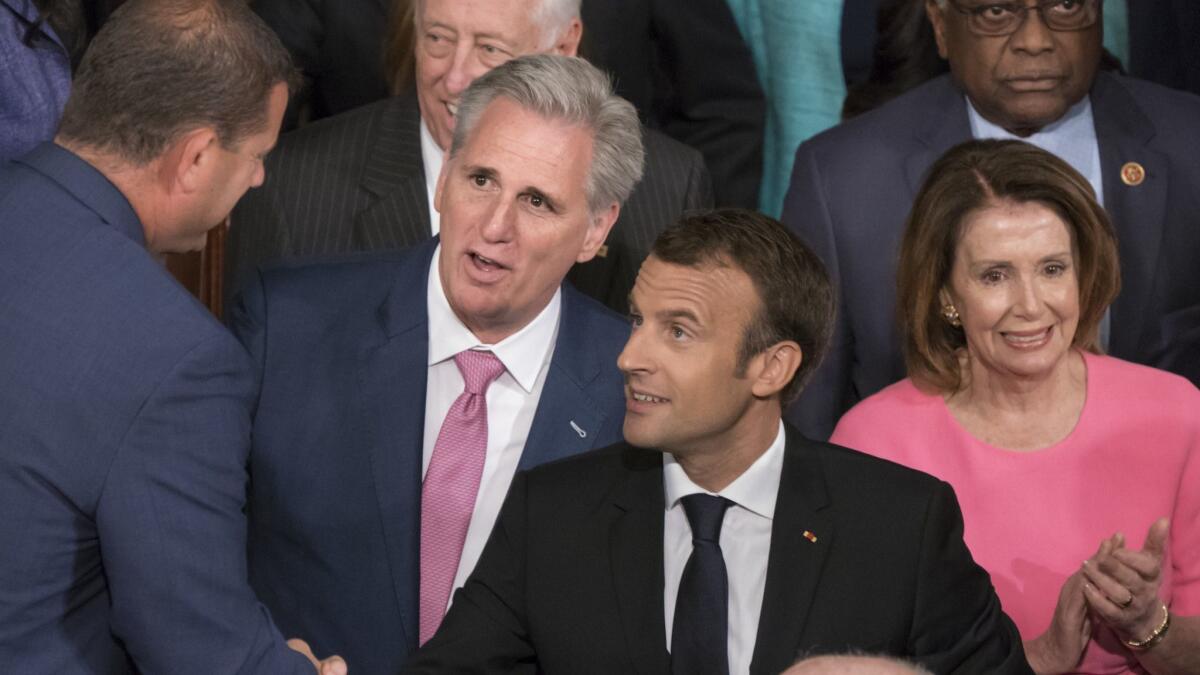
(333, 665)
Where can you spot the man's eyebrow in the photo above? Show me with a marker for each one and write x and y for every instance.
(685, 314)
(553, 202)
(507, 40)
(479, 170)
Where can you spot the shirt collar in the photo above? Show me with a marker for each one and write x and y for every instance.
(755, 490)
(1059, 137)
(432, 157)
(523, 353)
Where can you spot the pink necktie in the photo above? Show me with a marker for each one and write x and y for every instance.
(451, 483)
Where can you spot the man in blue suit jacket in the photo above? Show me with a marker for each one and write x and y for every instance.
(124, 405)
(356, 367)
(1138, 143)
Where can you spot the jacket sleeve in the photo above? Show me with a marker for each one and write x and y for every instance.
(173, 531)
(958, 626)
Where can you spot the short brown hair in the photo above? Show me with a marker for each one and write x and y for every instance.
(976, 175)
(796, 297)
(159, 68)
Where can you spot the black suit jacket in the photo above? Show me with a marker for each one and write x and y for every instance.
(572, 577)
(686, 68)
(356, 182)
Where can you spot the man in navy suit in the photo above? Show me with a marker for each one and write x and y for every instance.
(1023, 73)
(124, 405)
(360, 368)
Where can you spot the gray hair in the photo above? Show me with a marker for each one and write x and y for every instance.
(552, 17)
(569, 89)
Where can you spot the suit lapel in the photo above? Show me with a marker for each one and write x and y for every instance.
(394, 176)
(568, 420)
(636, 558)
(795, 562)
(947, 125)
(392, 374)
(1123, 132)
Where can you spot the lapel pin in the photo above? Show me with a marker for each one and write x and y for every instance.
(1132, 174)
(581, 432)
(810, 536)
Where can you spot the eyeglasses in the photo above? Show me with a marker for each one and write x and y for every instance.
(1005, 18)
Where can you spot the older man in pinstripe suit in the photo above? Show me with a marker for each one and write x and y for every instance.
(364, 180)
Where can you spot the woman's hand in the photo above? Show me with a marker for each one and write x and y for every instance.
(1059, 649)
(1122, 584)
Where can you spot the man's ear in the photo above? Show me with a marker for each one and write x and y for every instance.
(441, 181)
(778, 365)
(598, 229)
(568, 41)
(939, 25)
(186, 164)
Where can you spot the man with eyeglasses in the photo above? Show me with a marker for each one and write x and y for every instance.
(1019, 69)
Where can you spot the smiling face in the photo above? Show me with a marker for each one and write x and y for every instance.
(515, 217)
(1022, 81)
(459, 40)
(685, 391)
(1014, 284)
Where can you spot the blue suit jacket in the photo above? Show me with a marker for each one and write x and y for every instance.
(124, 435)
(335, 501)
(853, 186)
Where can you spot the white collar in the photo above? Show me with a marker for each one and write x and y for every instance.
(522, 353)
(432, 158)
(755, 490)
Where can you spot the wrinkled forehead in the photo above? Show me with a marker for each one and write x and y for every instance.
(514, 20)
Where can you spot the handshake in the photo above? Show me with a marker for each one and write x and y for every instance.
(334, 665)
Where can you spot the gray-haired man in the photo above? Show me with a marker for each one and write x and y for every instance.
(379, 461)
(365, 180)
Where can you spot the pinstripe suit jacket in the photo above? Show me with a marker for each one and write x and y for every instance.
(356, 182)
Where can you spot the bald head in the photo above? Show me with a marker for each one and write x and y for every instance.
(853, 665)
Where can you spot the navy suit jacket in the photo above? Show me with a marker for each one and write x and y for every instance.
(865, 555)
(342, 349)
(853, 186)
(124, 435)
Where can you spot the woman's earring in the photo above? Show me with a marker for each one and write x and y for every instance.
(950, 313)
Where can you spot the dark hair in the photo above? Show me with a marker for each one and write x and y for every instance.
(159, 68)
(976, 175)
(796, 297)
(399, 43)
(905, 56)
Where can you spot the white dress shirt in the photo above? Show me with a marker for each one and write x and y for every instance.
(511, 401)
(432, 157)
(745, 544)
(1073, 139)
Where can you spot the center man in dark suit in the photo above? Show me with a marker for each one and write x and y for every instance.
(716, 539)
(400, 392)
(364, 179)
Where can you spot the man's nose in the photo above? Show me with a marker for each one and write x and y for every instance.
(1033, 35)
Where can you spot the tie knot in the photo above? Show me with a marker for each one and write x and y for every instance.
(705, 514)
(478, 369)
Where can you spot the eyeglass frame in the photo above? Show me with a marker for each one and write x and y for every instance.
(1024, 11)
